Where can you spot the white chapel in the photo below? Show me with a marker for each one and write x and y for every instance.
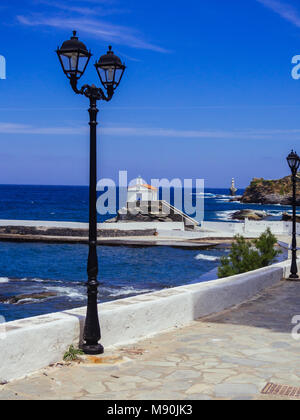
(141, 191)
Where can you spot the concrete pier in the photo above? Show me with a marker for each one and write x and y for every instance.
(140, 233)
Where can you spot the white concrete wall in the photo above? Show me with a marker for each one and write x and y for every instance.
(32, 344)
(232, 228)
(250, 227)
(279, 228)
(179, 234)
(168, 226)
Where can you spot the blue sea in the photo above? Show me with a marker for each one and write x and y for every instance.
(27, 268)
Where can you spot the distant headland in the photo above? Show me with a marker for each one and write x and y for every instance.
(262, 191)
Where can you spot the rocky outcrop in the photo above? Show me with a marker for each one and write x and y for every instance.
(263, 191)
(30, 298)
(249, 214)
(236, 198)
(142, 211)
(289, 218)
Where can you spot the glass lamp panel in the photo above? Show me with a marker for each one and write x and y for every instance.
(118, 75)
(65, 62)
(82, 62)
(102, 75)
(293, 162)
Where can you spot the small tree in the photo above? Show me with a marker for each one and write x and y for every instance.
(249, 255)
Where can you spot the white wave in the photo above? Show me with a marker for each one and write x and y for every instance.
(205, 195)
(206, 257)
(70, 292)
(28, 300)
(127, 291)
(225, 215)
(275, 213)
(37, 280)
(4, 280)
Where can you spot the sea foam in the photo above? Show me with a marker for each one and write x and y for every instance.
(206, 257)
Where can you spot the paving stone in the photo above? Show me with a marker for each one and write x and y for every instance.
(281, 345)
(198, 397)
(235, 390)
(94, 387)
(183, 375)
(119, 386)
(149, 374)
(11, 395)
(200, 389)
(244, 362)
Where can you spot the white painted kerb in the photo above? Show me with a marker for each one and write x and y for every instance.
(34, 343)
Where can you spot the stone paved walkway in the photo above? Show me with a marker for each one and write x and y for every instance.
(228, 356)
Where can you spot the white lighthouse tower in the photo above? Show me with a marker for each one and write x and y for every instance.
(233, 190)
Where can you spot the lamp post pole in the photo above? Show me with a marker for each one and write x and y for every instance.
(294, 161)
(294, 268)
(74, 58)
(92, 332)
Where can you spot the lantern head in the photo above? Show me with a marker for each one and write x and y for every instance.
(293, 161)
(74, 57)
(110, 70)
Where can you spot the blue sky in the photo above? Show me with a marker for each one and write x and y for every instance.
(207, 93)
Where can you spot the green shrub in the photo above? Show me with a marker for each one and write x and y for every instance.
(72, 354)
(249, 255)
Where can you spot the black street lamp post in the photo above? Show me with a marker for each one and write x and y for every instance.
(74, 58)
(294, 163)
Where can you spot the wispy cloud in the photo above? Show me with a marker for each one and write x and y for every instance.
(286, 11)
(98, 29)
(95, 8)
(10, 128)
(262, 134)
(85, 17)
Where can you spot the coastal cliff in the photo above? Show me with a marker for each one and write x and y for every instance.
(262, 191)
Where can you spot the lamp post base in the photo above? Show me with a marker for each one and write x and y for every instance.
(293, 277)
(92, 349)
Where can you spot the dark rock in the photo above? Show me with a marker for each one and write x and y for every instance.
(236, 198)
(249, 214)
(289, 218)
(142, 211)
(22, 299)
(263, 191)
(113, 220)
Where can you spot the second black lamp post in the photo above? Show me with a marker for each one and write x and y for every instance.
(294, 163)
(74, 58)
